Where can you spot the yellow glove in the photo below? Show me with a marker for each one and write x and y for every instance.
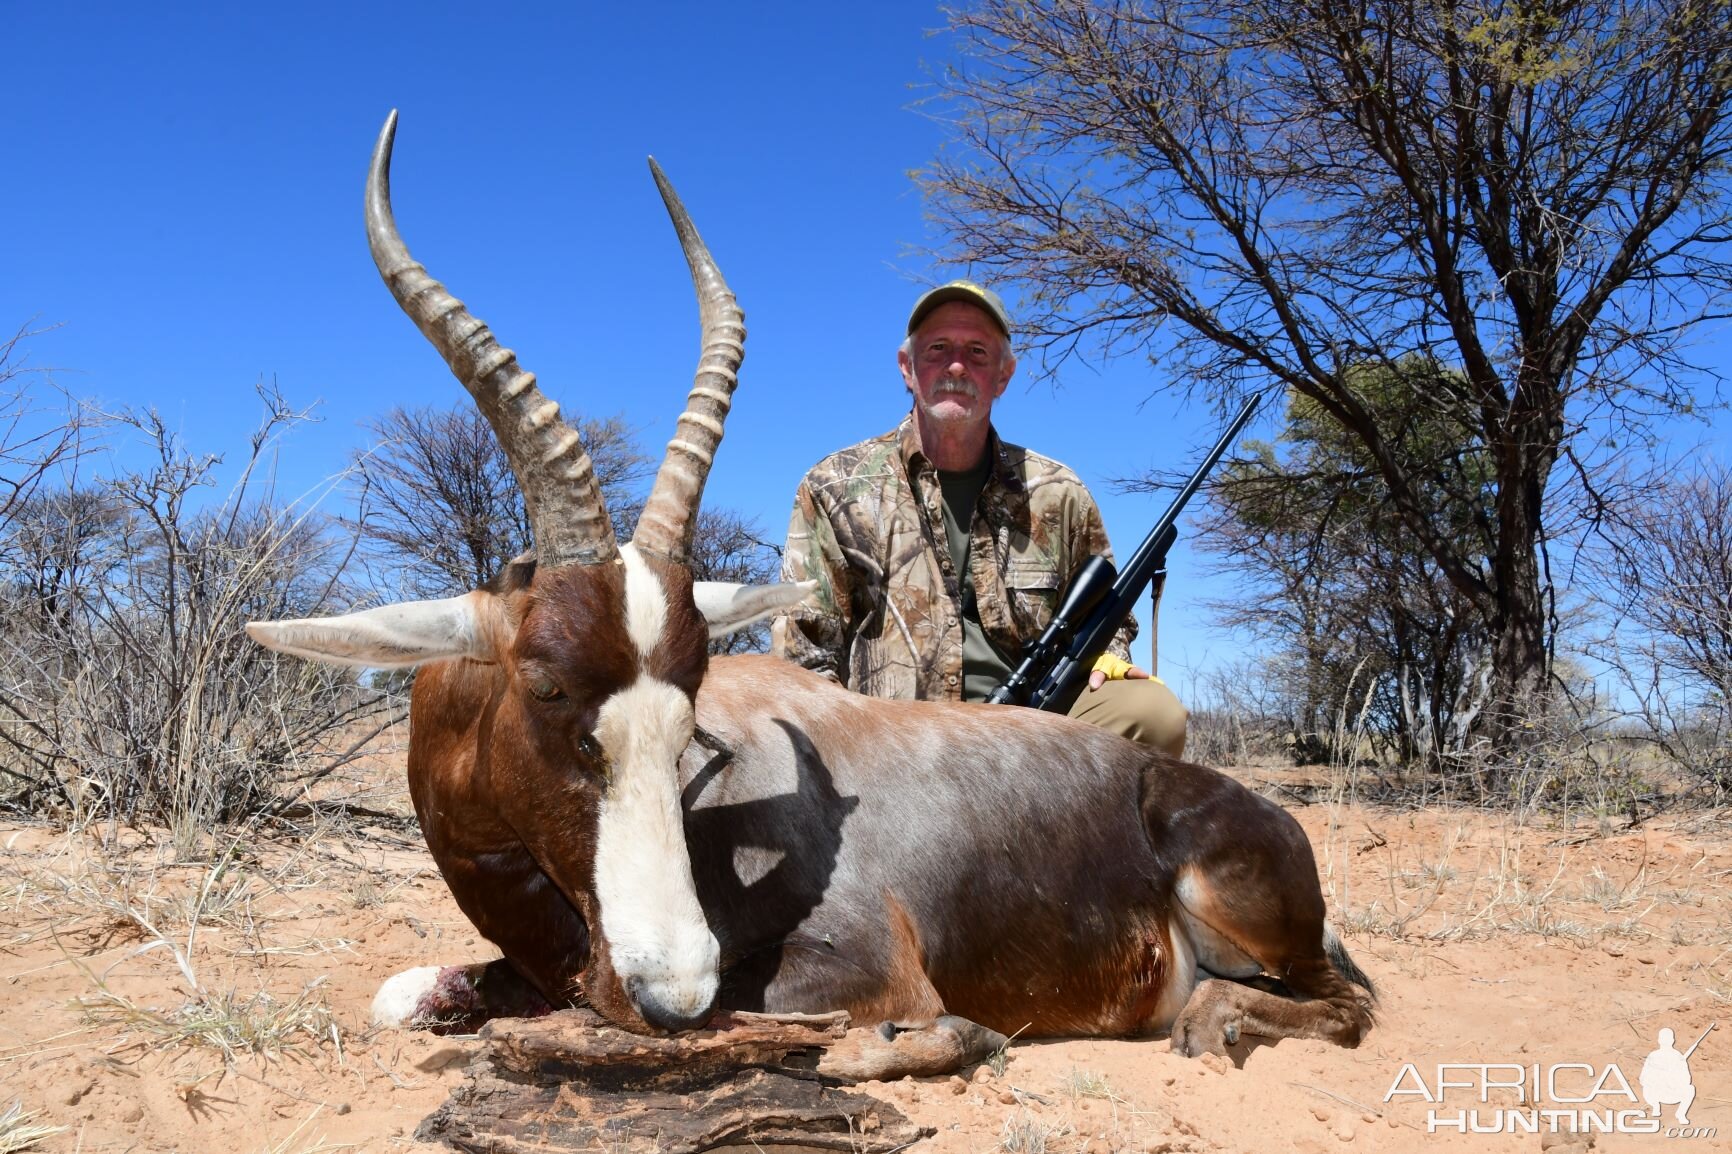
(1111, 666)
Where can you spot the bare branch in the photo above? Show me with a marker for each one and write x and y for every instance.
(1257, 195)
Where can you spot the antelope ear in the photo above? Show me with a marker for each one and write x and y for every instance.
(389, 637)
(730, 607)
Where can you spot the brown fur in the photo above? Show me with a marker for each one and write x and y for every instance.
(1018, 869)
(907, 997)
(503, 783)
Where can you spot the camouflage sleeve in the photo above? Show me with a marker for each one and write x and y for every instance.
(1090, 539)
(815, 632)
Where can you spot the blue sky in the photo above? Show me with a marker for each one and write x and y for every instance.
(183, 197)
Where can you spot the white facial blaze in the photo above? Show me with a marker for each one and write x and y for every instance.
(643, 874)
(646, 606)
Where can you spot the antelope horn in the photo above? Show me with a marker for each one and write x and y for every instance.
(670, 515)
(553, 469)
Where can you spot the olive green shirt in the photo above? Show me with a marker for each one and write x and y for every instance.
(984, 668)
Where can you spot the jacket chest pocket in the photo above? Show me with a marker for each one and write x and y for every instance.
(1033, 587)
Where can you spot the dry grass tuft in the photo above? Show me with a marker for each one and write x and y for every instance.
(16, 1131)
(1000, 1057)
(228, 1022)
(1026, 1134)
(109, 903)
(1504, 875)
(100, 894)
(1080, 1083)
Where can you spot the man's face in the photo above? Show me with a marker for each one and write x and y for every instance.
(957, 364)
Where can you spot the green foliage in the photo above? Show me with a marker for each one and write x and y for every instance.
(1330, 575)
(1263, 195)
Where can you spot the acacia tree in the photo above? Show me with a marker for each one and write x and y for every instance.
(1262, 193)
(442, 502)
(1329, 573)
(55, 545)
(1676, 575)
(30, 447)
(442, 506)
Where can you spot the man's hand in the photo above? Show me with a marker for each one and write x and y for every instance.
(1109, 668)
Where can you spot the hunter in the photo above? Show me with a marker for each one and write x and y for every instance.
(939, 548)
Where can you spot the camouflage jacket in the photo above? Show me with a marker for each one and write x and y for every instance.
(885, 619)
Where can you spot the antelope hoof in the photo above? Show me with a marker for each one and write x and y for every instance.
(1193, 1041)
(1209, 1023)
(976, 1041)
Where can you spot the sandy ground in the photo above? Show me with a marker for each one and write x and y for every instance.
(151, 1005)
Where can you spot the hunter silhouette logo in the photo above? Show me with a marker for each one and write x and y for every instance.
(1559, 1097)
(1666, 1076)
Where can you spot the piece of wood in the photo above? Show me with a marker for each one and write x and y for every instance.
(580, 1046)
(570, 1081)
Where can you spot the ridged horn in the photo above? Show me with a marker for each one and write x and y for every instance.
(670, 515)
(553, 469)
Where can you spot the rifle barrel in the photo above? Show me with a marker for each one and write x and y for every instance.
(1149, 554)
(1092, 636)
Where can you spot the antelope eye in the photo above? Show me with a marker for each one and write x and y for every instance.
(542, 688)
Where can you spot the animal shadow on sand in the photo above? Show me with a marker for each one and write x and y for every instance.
(803, 830)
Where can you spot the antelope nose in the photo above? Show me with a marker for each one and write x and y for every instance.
(665, 1009)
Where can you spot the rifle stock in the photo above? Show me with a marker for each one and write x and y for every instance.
(1098, 600)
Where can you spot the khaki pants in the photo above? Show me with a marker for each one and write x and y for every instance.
(1144, 711)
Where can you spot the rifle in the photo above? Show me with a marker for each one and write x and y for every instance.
(1056, 664)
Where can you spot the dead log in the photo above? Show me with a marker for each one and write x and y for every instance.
(570, 1081)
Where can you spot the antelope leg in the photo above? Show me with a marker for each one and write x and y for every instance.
(892, 1050)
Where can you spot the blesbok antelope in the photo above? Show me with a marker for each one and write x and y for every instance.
(657, 833)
